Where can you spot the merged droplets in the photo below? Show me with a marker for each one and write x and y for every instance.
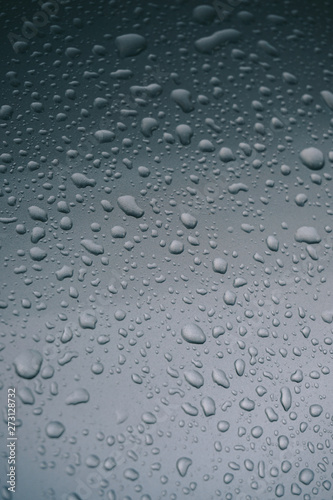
(183, 99)
(129, 206)
(307, 234)
(184, 133)
(82, 181)
(209, 43)
(104, 136)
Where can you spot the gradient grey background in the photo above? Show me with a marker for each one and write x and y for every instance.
(141, 293)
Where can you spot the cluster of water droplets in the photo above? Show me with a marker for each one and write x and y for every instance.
(166, 304)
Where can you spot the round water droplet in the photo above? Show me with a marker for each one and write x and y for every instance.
(176, 247)
(306, 476)
(54, 429)
(223, 426)
(315, 410)
(312, 158)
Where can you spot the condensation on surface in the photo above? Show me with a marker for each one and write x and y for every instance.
(166, 249)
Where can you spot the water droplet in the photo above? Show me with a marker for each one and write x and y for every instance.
(193, 334)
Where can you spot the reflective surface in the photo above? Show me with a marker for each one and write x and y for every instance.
(166, 249)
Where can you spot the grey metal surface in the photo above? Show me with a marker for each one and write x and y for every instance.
(166, 249)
